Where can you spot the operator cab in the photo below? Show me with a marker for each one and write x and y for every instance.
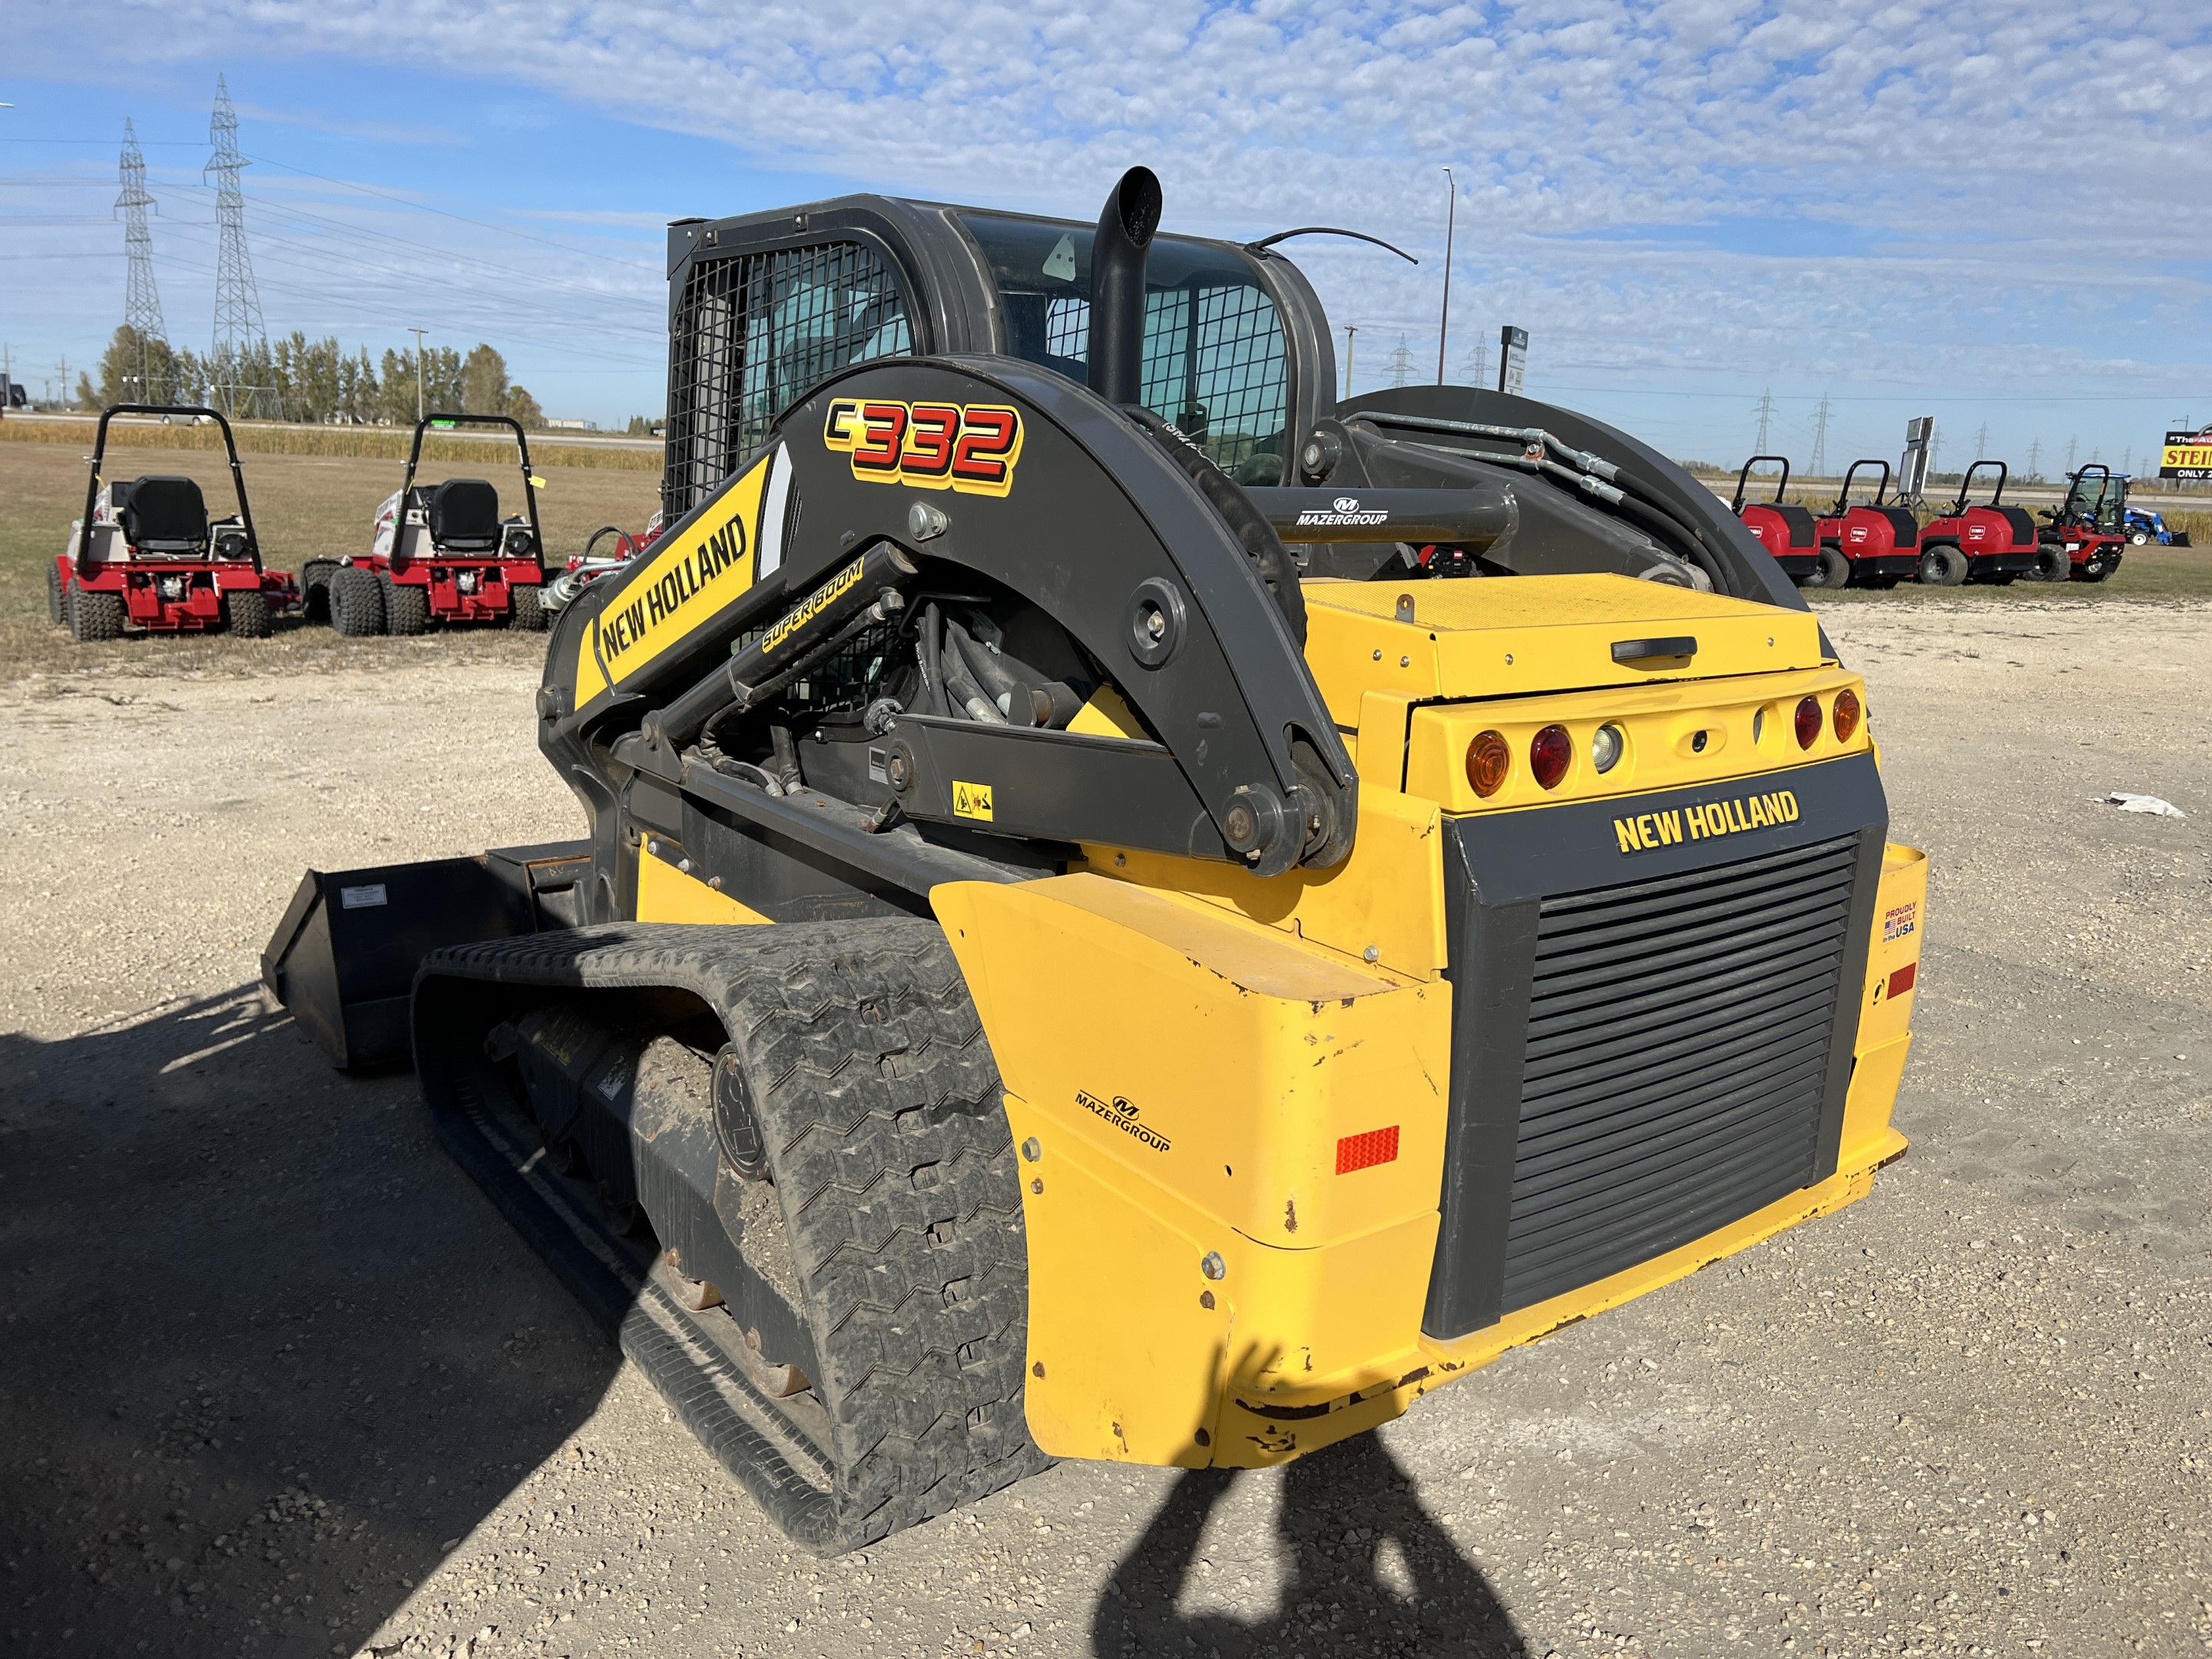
(1237, 355)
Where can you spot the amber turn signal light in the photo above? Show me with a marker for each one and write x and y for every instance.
(1808, 722)
(1549, 751)
(1488, 762)
(1847, 716)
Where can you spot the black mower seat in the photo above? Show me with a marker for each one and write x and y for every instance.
(1803, 532)
(465, 516)
(1904, 527)
(162, 514)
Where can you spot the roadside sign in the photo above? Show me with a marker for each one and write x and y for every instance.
(1512, 358)
(2187, 456)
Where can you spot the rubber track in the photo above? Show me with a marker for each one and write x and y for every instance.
(882, 1107)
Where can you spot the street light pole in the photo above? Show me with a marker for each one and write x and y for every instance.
(418, 334)
(1351, 343)
(1451, 218)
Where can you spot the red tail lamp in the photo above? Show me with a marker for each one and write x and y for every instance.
(1808, 722)
(1488, 764)
(1549, 751)
(1847, 716)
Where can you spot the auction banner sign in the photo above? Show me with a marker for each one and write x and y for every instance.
(2187, 455)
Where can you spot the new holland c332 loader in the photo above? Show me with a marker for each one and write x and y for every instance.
(1085, 945)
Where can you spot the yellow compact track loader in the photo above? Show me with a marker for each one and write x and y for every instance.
(1130, 909)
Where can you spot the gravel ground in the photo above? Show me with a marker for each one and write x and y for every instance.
(276, 1380)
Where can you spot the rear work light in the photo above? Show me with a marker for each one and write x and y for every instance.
(1488, 762)
(1549, 751)
(1847, 716)
(1808, 722)
(1605, 747)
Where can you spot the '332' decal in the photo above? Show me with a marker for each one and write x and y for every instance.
(968, 447)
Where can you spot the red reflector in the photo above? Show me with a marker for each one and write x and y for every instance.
(1900, 983)
(1365, 1151)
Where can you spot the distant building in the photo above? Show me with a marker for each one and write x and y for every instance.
(564, 424)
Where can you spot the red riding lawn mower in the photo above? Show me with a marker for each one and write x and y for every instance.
(1787, 530)
(1870, 542)
(1987, 542)
(441, 553)
(2087, 530)
(146, 557)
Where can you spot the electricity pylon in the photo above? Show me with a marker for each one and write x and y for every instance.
(242, 338)
(142, 301)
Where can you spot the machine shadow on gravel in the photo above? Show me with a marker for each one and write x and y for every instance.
(1340, 1506)
(266, 1349)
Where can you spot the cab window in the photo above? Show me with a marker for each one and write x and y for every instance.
(1214, 362)
(755, 332)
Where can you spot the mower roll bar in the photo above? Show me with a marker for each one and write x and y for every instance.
(521, 442)
(1967, 483)
(1743, 479)
(1844, 496)
(99, 452)
(2073, 489)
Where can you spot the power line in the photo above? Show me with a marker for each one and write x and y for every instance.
(1819, 466)
(1765, 418)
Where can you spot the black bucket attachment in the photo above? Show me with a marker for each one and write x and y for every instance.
(343, 958)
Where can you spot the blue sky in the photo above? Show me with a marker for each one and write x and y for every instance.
(1994, 212)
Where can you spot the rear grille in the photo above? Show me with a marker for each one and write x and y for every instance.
(1678, 1045)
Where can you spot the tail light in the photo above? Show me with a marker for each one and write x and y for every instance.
(1808, 722)
(1847, 716)
(1549, 751)
(1488, 762)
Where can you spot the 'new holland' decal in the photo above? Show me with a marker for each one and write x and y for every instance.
(686, 581)
(1649, 831)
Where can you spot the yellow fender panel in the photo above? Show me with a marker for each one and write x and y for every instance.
(1188, 1088)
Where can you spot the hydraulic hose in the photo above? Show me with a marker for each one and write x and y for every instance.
(1586, 474)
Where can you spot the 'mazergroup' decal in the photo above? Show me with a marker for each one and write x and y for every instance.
(1123, 1116)
(970, 448)
(1648, 831)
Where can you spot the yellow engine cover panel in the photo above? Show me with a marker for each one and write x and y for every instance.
(1514, 637)
(1228, 1122)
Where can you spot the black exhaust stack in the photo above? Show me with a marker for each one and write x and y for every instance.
(1126, 225)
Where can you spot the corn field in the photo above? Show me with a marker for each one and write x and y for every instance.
(384, 443)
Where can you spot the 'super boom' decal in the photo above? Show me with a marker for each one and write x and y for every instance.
(970, 448)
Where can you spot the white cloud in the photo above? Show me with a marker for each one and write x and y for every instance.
(1998, 194)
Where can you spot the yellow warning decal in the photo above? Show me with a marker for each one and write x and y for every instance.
(971, 800)
(968, 448)
(688, 578)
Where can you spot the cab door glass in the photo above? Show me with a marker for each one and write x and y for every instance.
(1214, 362)
(754, 333)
